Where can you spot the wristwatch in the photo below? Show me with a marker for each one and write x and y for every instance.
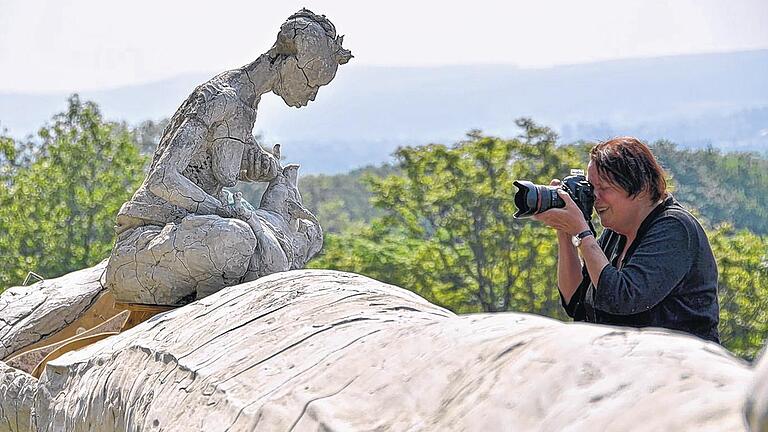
(576, 240)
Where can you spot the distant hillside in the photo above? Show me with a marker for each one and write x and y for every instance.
(718, 100)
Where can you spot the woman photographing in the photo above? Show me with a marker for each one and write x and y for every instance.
(652, 265)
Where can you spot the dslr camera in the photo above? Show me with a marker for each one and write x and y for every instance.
(532, 199)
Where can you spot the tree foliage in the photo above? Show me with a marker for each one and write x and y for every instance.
(446, 230)
(742, 261)
(725, 188)
(59, 198)
(343, 201)
(448, 217)
(438, 223)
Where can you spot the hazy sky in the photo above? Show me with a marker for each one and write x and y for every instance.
(69, 45)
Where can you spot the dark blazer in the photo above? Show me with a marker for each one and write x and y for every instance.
(668, 278)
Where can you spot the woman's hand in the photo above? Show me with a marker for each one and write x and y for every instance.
(569, 219)
(236, 210)
(258, 164)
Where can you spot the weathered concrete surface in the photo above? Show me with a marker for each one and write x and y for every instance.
(757, 400)
(32, 313)
(323, 350)
(17, 395)
(30, 359)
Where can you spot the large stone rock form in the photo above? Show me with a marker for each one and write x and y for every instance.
(757, 399)
(323, 350)
(31, 314)
(180, 237)
(17, 396)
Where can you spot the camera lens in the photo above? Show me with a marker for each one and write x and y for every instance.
(531, 199)
(526, 199)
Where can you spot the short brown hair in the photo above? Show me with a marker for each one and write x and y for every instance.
(629, 164)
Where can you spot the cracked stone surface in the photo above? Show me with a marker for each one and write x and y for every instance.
(179, 237)
(326, 350)
(32, 313)
(17, 389)
(757, 399)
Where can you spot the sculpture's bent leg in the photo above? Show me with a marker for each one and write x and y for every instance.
(307, 242)
(177, 263)
(270, 257)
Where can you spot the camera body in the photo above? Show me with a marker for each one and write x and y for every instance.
(582, 192)
(532, 199)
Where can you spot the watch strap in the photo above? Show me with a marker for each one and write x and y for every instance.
(585, 233)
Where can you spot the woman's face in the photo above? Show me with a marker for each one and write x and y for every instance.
(314, 65)
(298, 85)
(613, 205)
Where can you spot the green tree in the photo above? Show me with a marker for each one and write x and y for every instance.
(725, 188)
(344, 200)
(7, 161)
(386, 255)
(450, 216)
(57, 209)
(742, 261)
(14, 155)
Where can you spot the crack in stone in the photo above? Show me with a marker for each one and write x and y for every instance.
(248, 75)
(249, 321)
(300, 373)
(303, 72)
(509, 350)
(229, 137)
(306, 406)
(297, 343)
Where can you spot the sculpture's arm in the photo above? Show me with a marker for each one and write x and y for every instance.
(226, 157)
(236, 156)
(166, 181)
(240, 158)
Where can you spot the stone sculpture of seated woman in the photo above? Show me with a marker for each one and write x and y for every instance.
(178, 240)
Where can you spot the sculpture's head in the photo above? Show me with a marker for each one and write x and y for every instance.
(307, 53)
